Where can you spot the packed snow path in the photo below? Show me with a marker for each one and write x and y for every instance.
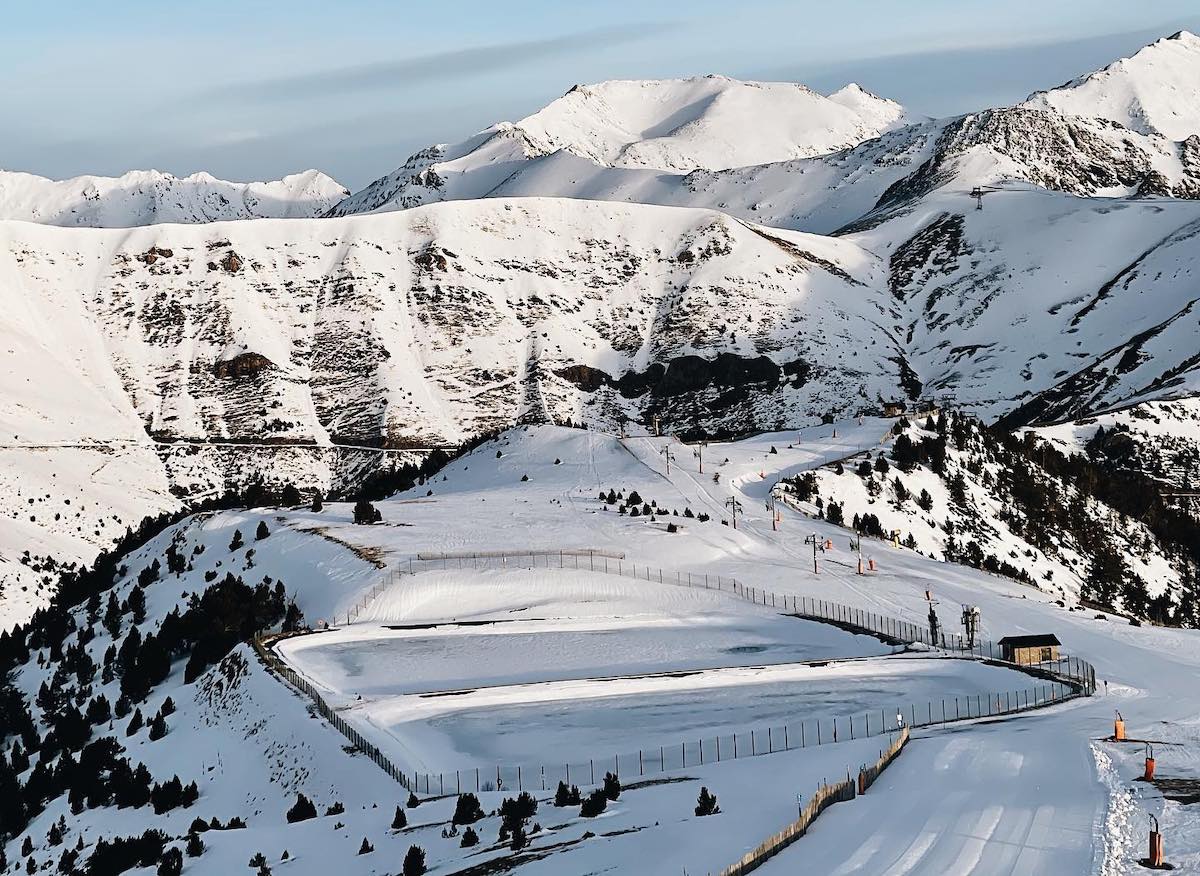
(1048, 776)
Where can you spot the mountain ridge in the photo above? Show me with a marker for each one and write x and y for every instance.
(144, 197)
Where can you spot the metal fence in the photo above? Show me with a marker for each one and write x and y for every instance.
(755, 742)
(272, 662)
(1063, 679)
(1068, 669)
(826, 796)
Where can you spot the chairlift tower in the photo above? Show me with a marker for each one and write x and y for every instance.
(978, 192)
(970, 622)
(735, 508)
(934, 625)
(818, 544)
(666, 452)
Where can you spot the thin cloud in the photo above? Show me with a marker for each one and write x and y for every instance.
(438, 66)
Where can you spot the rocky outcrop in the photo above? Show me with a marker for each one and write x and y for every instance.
(242, 365)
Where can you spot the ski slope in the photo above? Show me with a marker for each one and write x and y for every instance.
(984, 817)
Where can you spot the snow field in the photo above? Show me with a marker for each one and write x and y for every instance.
(553, 723)
(370, 660)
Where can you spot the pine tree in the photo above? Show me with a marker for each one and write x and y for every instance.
(593, 804)
(158, 728)
(467, 810)
(469, 838)
(706, 803)
(236, 542)
(365, 513)
(414, 862)
(366, 848)
(400, 820)
(112, 616)
(171, 863)
(317, 504)
(302, 810)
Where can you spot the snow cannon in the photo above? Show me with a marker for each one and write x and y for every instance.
(1148, 775)
(1156, 847)
(871, 565)
(829, 544)
(1119, 728)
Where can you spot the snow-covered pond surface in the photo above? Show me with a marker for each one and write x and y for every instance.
(380, 661)
(563, 721)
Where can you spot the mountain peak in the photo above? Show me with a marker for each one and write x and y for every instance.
(144, 197)
(1155, 91)
(708, 122)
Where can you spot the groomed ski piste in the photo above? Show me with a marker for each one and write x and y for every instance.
(504, 666)
(475, 666)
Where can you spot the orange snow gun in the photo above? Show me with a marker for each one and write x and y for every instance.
(1155, 859)
(1148, 775)
(1119, 728)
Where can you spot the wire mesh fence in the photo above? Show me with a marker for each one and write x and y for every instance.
(686, 754)
(1063, 678)
(827, 794)
(1070, 669)
(326, 711)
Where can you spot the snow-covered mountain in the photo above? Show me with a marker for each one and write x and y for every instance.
(673, 126)
(426, 326)
(146, 197)
(1070, 140)
(405, 330)
(1156, 91)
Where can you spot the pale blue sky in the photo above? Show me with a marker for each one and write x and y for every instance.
(258, 88)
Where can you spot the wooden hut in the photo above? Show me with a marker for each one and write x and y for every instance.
(1041, 648)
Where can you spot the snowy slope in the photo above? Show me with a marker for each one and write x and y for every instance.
(709, 122)
(1070, 140)
(958, 797)
(421, 327)
(985, 526)
(408, 330)
(1000, 313)
(1155, 91)
(146, 197)
(672, 126)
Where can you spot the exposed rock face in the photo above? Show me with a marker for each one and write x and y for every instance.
(425, 327)
(232, 263)
(242, 365)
